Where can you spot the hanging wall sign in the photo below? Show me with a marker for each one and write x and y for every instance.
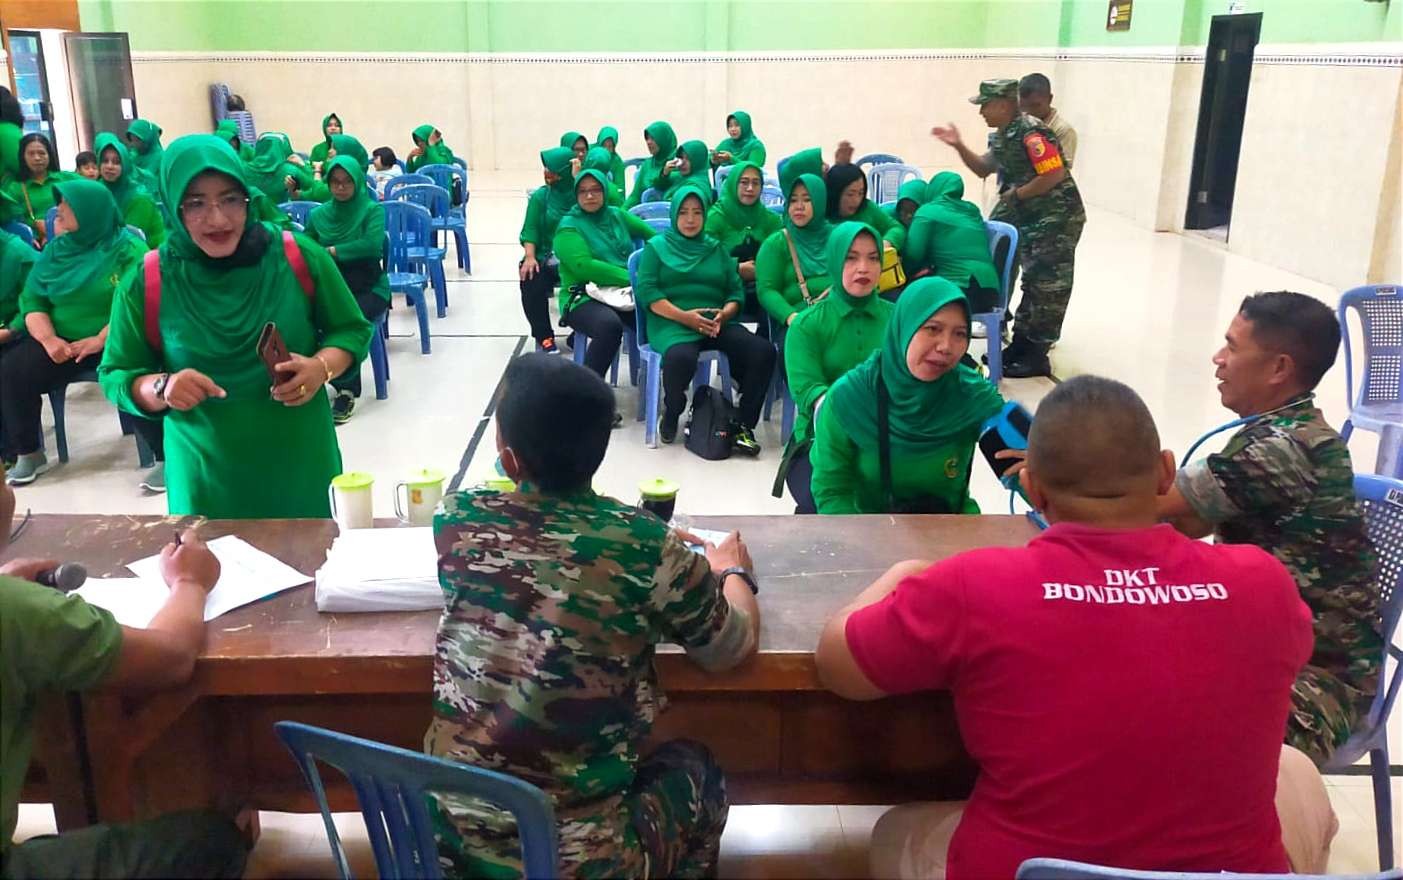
(1118, 17)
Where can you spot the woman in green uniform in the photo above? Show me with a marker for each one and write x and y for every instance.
(331, 124)
(692, 293)
(11, 131)
(742, 223)
(272, 174)
(808, 161)
(341, 145)
(575, 143)
(935, 409)
(806, 229)
(601, 160)
(661, 141)
(910, 196)
(33, 190)
(826, 341)
(65, 306)
(947, 238)
(847, 200)
(351, 226)
(136, 204)
(741, 144)
(609, 140)
(16, 259)
(144, 139)
(429, 149)
(593, 242)
(689, 168)
(228, 131)
(536, 274)
(236, 448)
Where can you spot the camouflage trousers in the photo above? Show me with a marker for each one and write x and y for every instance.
(1323, 714)
(1046, 254)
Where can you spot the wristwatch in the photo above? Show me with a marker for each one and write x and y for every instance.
(743, 575)
(159, 389)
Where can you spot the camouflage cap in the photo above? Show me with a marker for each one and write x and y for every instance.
(991, 89)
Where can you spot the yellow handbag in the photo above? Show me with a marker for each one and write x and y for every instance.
(893, 275)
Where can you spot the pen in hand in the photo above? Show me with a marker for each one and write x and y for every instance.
(177, 538)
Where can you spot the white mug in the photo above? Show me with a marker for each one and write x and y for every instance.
(422, 493)
(349, 496)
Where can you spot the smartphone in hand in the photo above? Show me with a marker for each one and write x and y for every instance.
(272, 351)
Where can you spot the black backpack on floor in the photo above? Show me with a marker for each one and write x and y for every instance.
(710, 427)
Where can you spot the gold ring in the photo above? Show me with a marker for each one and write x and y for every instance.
(301, 390)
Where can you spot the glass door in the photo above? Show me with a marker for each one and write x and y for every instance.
(31, 82)
(100, 80)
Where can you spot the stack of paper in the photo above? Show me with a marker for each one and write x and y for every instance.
(380, 570)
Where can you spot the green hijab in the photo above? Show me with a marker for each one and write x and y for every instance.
(269, 154)
(948, 190)
(608, 133)
(71, 261)
(604, 231)
(914, 190)
(148, 159)
(346, 145)
(666, 139)
(677, 251)
(921, 414)
(811, 241)
(747, 134)
(697, 156)
(568, 139)
(423, 133)
(124, 188)
(808, 161)
(187, 158)
(560, 196)
(598, 159)
(740, 216)
(336, 221)
(326, 120)
(836, 255)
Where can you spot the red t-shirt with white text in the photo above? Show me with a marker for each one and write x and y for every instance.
(1124, 693)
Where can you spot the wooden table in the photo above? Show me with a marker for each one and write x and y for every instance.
(780, 737)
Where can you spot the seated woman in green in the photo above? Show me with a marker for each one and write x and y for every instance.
(351, 226)
(688, 168)
(136, 204)
(741, 144)
(65, 306)
(661, 142)
(609, 140)
(836, 334)
(16, 259)
(808, 161)
(331, 124)
(692, 293)
(34, 190)
(575, 143)
(741, 223)
(948, 239)
(272, 173)
(429, 149)
(781, 292)
(144, 140)
(537, 275)
(227, 130)
(847, 200)
(601, 160)
(918, 459)
(910, 196)
(593, 242)
(238, 449)
(341, 145)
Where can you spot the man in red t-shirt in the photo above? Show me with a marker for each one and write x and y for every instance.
(1123, 688)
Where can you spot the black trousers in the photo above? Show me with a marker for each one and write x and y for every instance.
(752, 364)
(26, 375)
(801, 473)
(535, 300)
(604, 325)
(373, 306)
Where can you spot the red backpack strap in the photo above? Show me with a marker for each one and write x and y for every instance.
(298, 264)
(151, 264)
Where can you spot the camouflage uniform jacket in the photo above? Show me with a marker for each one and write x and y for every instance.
(1023, 149)
(544, 661)
(1285, 483)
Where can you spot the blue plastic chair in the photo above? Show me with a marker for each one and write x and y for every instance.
(652, 362)
(298, 210)
(394, 183)
(629, 343)
(1379, 405)
(885, 180)
(652, 211)
(633, 165)
(993, 321)
(779, 389)
(654, 195)
(22, 230)
(398, 266)
(49, 217)
(772, 197)
(57, 399)
(460, 162)
(1382, 501)
(879, 159)
(423, 248)
(455, 220)
(305, 157)
(724, 171)
(1061, 869)
(779, 168)
(392, 786)
(380, 357)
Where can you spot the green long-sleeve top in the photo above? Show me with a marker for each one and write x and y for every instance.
(847, 478)
(952, 244)
(712, 284)
(891, 231)
(35, 199)
(243, 456)
(731, 236)
(822, 344)
(16, 259)
(536, 227)
(272, 185)
(84, 312)
(579, 266)
(434, 154)
(753, 152)
(776, 285)
(141, 212)
(365, 243)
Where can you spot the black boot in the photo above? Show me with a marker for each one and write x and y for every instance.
(1030, 362)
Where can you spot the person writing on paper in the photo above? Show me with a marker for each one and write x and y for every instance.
(52, 642)
(1128, 647)
(555, 598)
(236, 448)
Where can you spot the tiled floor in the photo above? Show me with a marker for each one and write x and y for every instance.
(1148, 309)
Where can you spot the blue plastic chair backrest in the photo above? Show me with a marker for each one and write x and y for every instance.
(443, 175)
(779, 168)
(640, 320)
(298, 210)
(723, 172)
(461, 163)
(1381, 499)
(772, 197)
(650, 210)
(395, 183)
(392, 786)
(306, 157)
(879, 159)
(661, 224)
(885, 179)
(49, 217)
(219, 101)
(434, 199)
(999, 233)
(1062, 869)
(654, 195)
(370, 185)
(1380, 309)
(14, 227)
(632, 165)
(244, 119)
(407, 224)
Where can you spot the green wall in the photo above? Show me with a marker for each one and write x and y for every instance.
(708, 25)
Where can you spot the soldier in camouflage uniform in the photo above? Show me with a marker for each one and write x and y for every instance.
(1039, 197)
(554, 600)
(1285, 483)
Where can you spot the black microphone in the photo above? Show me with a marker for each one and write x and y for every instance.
(66, 577)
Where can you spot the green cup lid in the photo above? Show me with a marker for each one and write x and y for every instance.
(424, 477)
(353, 480)
(658, 489)
(500, 484)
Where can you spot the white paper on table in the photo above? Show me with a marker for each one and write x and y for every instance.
(380, 570)
(246, 574)
(132, 601)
